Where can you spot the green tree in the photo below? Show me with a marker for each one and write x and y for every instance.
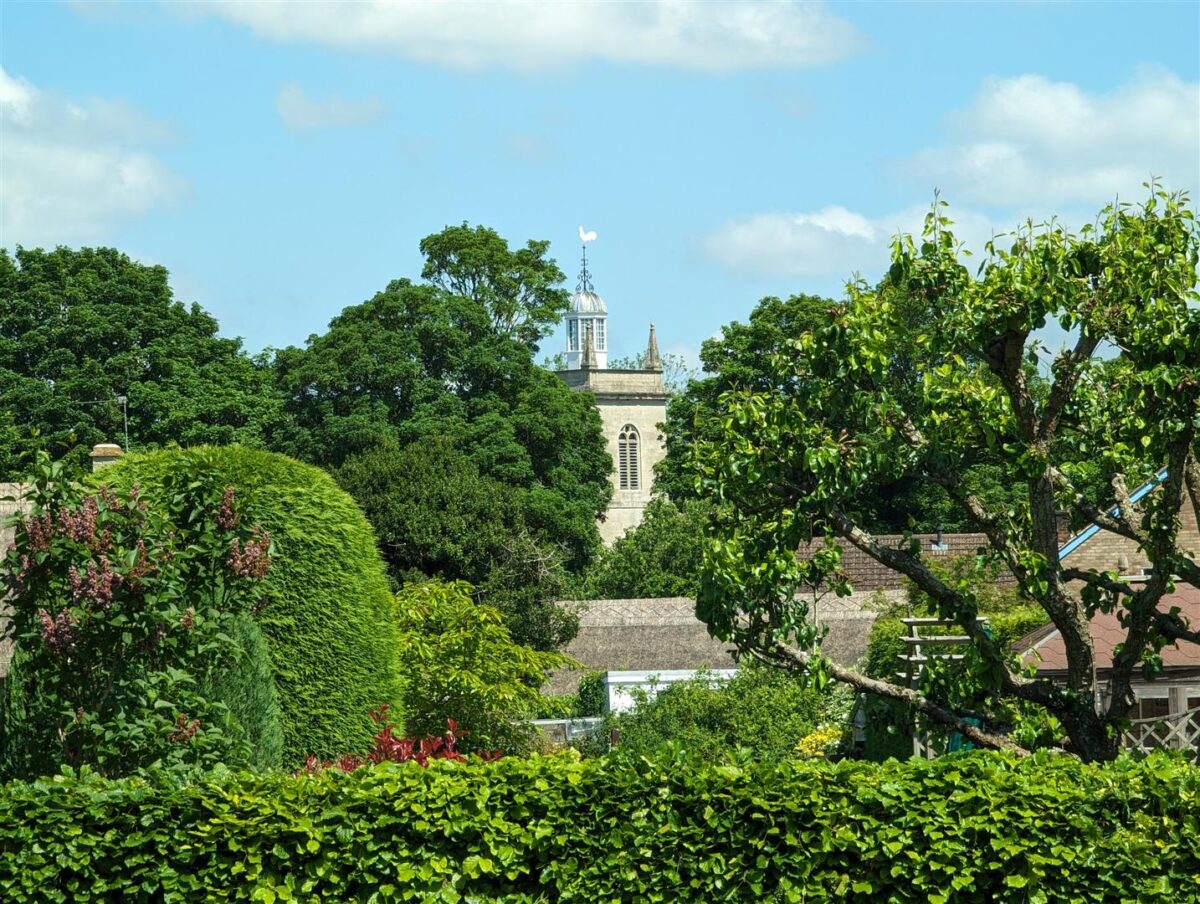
(436, 515)
(80, 328)
(520, 290)
(737, 359)
(515, 463)
(742, 359)
(660, 557)
(459, 662)
(327, 614)
(788, 460)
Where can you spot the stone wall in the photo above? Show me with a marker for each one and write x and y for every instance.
(623, 397)
(8, 506)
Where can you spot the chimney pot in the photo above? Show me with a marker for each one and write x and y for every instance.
(105, 454)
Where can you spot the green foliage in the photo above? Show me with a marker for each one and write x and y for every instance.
(735, 359)
(437, 516)
(838, 422)
(519, 289)
(889, 724)
(660, 557)
(459, 662)
(763, 710)
(426, 399)
(84, 326)
(969, 828)
(247, 686)
(590, 697)
(328, 619)
(120, 614)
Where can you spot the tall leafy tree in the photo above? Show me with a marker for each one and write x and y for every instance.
(788, 458)
(745, 358)
(736, 359)
(472, 462)
(80, 328)
(660, 557)
(521, 290)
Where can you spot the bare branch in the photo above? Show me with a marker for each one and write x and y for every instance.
(1097, 579)
(1188, 571)
(1174, 627)
(1064, 385)
(953, 483)
(1116, 524)
(1005, 357)
(1191, 476)
(1035, 690)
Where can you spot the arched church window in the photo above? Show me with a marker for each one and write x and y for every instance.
(628, 460)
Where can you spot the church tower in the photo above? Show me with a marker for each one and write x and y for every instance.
(587, 313)
(632, 404)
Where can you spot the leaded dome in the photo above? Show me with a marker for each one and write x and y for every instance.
(587, 301)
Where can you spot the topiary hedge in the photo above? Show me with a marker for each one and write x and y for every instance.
(329, 617)
(964, 828)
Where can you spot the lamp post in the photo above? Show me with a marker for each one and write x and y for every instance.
(124, 402)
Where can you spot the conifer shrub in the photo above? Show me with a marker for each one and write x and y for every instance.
(327, 616)
(247, 687)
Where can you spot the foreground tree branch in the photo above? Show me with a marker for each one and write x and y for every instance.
(873, 399)
(940, 714)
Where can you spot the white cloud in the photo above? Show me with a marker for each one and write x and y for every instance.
(299, 111)
(1031, 141)
(1027, 148)
(712, 35)
(69, 171)
(830, 243)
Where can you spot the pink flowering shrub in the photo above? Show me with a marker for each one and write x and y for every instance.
(118, 619)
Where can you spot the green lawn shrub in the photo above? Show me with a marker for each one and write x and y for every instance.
(970, 827)
(329, 617)
(461, 663)
(763, 710)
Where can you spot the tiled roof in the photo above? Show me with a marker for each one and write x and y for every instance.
(868, 575)
(1107, 632)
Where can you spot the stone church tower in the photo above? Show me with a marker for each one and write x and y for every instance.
(632, 404)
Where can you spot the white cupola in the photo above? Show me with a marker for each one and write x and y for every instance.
(586, 318)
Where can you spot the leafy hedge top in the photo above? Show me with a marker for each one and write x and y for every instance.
(329, 619)
(967, 828)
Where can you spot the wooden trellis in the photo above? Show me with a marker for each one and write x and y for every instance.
(923, 649)
(1178, 731)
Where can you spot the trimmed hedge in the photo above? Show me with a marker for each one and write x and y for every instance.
(975, 827)
(329, 620)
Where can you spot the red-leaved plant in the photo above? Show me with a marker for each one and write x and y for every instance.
(387, 747)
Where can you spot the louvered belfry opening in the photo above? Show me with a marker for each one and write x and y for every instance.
(628, 470)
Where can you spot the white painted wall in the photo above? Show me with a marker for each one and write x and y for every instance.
(619, 687)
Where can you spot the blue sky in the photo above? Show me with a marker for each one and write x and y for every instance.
(284, 159)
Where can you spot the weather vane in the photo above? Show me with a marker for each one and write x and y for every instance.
(585, 278)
